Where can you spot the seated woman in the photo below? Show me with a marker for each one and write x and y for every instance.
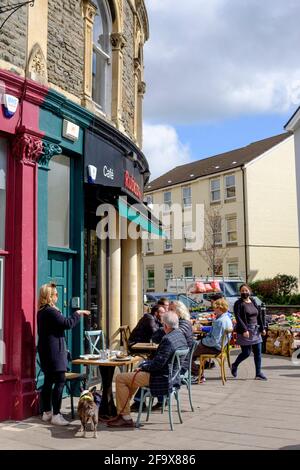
(212, 342)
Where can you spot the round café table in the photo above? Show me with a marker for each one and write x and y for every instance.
(107, 367)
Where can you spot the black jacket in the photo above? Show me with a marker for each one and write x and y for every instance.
(144, 330)
(186, 328)
(241, 318)
(160, 366)
(51, 343)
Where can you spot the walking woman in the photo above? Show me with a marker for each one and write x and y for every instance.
(53, 351)
(249, 328)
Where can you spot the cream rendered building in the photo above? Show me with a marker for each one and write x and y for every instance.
(253, 190)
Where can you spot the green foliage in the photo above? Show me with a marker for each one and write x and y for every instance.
(281, 290)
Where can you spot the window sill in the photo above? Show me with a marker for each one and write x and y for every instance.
(229, 244)
(4, 253)
(168, 251)
(232, 199)
(150, 253)
(215, 203)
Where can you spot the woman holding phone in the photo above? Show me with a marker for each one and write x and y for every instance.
(53, 351)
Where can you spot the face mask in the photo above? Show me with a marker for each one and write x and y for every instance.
(245, 295)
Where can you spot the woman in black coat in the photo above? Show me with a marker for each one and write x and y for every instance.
(52, 351)
(249, 327)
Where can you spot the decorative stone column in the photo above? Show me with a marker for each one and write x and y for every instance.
(130, 308)
(26, 149)
(118, 42)
(89, 11)
(114, 300)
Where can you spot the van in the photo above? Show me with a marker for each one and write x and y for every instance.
(229, 287)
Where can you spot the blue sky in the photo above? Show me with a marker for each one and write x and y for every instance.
(220, 74)
(205, 140)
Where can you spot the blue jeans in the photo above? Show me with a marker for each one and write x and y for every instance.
(246, 351)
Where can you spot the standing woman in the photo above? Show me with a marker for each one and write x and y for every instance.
(249, 328)
(53, 351)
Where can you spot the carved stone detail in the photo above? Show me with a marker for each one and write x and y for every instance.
(118, 41)
(37, 66)
(27, 148)
(142, 88)
(48, 151)
(137, 64)
(89, 10)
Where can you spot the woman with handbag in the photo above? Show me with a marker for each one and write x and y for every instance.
(53, 351)
(249, 328)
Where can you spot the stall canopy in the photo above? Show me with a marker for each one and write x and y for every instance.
(141, 215)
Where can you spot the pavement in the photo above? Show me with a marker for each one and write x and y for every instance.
(244, 414)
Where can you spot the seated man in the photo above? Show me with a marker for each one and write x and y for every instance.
(212, 342)
(147, 325)
(154, 373)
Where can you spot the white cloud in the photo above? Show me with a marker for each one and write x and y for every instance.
(163, 149)
(211, 59)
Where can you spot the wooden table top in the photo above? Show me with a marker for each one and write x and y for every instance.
(145, 346)
(106, 362)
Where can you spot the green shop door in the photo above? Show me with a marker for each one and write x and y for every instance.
(60, 272)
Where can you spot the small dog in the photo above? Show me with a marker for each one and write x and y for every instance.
(87, 409)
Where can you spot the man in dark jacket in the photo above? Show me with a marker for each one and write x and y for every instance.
(147, 326)
(155, 373)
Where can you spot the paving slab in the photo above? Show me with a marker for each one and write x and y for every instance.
(245, 414)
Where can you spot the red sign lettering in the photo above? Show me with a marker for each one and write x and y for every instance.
(131, 185)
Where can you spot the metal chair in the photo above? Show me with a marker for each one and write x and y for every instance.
(220, 357)
(187, 376)
(146, 393)
(96, 342)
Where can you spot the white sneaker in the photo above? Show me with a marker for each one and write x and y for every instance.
(59, 420)
(47, 416)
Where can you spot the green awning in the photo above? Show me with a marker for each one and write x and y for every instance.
(140, 215)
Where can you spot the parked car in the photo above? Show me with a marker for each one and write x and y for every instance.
(193, 306)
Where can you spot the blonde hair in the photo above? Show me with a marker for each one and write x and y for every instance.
(47, 294)
(181, 310)
(221, 304)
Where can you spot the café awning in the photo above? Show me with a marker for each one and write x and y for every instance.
(141, 215)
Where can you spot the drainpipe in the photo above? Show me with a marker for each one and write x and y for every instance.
(245, 222)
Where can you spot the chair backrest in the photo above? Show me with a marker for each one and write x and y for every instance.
(95, 341)
(176, 364)
(225, 336)
(125, 334)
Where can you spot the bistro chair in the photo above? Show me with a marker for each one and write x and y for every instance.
(146, 393)
(220, 357)
(96, 342)
(125, 333)
(187, 376)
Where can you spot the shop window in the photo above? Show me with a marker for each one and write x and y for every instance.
(149, 200)
(150, 279)
(168, 274)
(187, 196)
(101, 82)
(215, 190)
(2, 193)
(231, 229)
(229, 186)
(59, 202)
(188, 271)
